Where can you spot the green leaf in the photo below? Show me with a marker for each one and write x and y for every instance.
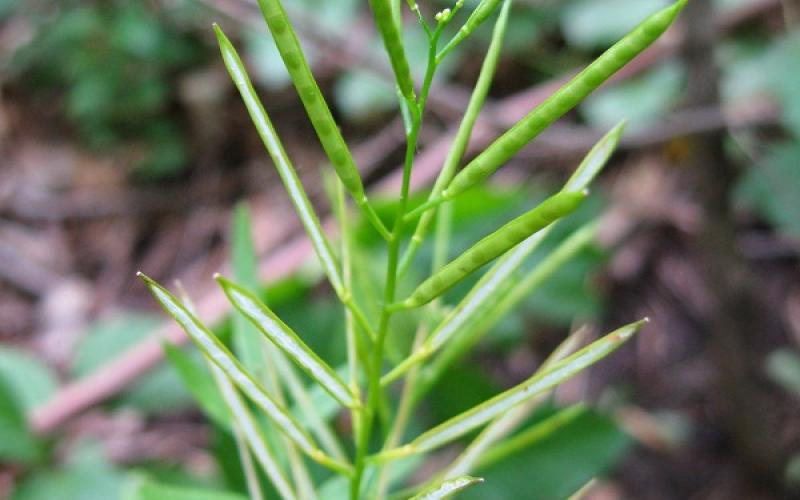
(282, 162)
(17, 443)
(641, 100)
(157, 392)
(772, 187)
(86, 475)
(581, 27)
(199, 383)
(363, 96)
(248, 344)
(558, 464)
(783, 366)
(449, 488)
(150, 490)
(30, 381)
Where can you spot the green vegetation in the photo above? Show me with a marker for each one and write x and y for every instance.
(369, 471)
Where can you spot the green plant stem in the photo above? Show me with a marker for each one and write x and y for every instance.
(374, 389)
(404, 409)
(461, 140)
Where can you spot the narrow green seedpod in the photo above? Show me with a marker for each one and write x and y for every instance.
(564, 100)
(528, 438)
(316, 107)
(478, 16)
(448, 488)
(215, 350)
(288, 341)
(282, 163)
(252, 434)
(494, 245)
(498, 405)
(507, 423)
(489, 301)
(393, 42)
(596, 159)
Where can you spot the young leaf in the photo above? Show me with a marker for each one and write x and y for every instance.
(287, 340)
(248, 344)
(197, 381)
(284, 166)
(496, 244)
(448, 488)
(484, 412)
(216, 351)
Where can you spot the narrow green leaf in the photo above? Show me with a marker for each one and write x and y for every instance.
(449, 488)
(247, 342)
(284, 166)
(198, 382)
(484, 412)
(499, 242)
(288, 341)
(17, 442)
(149, 490)
(216, 351)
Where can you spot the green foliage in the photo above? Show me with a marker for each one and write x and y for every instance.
(17, 443)
(30, 381)
(783, 366)
(772, 187)
(114, 61)
(85, 476)
(383, 339)
(157, 392)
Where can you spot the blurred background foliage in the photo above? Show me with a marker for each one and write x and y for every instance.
(125, 104)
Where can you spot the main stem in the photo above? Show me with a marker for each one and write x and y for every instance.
(374, 393)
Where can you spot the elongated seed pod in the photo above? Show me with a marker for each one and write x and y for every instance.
(504, 402)
(393, 42)
(287, 340)
(313, 101)
(478, 16)
(216, 352)
(494, 245)
(283, 165)
(461, 140)
(565, 99)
